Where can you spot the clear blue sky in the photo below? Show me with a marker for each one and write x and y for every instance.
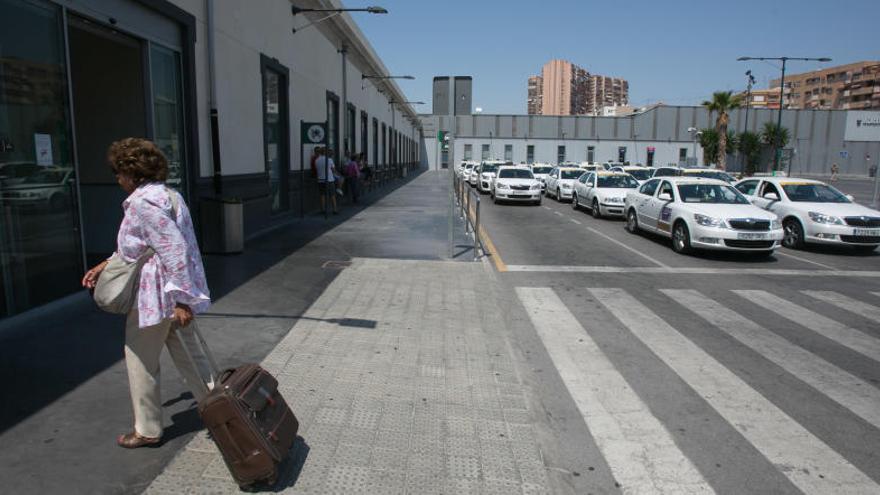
(671, 50)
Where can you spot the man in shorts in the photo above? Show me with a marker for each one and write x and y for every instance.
(325, 167)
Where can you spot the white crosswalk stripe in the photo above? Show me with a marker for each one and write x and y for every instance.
(840, 333)
(860, 308)
(851, 392)
(639, 450)
(804, 459)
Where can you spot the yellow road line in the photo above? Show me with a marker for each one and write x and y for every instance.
(492, 251)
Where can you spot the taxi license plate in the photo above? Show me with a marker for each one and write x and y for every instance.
(520, 196)
(867, 232)
(752, 237)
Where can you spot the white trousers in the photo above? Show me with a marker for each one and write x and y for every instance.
(143, 347)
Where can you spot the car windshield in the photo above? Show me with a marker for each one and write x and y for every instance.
(640, 174)
(515, 173)
(616, 181)
(813, 193)
(489, 168)
(570, 174)
(711, 193)
(542, 170)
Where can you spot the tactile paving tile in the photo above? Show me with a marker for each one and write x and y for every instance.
(459, 427)
(213, 486)
(364, 418)
(533, 489)
(425, 484)
(352, 455)
(347, 479)
(488, 414)
(386, 482)
(517, 416)
(392, 439)
(464, 446)
(462, 467)
(360, 436)
(425, 462)
(333, 416)
(201, 442)
(534, 474)
(217, 469)
(389, 459)
(490, 430)
(500, 487)
(463, 486)
(516, 401)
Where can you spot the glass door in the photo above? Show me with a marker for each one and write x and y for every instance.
(275, 135)
(40, 256)
(169, 133)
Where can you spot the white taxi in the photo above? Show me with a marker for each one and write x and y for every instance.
(540, 171)
(701, 213)
(560, 182)
(515, 184)
(485, 174)
(639, 173)
(472, 175)
(602, 192)
(814, 212)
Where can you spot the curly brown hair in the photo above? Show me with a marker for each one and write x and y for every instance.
(140, 159)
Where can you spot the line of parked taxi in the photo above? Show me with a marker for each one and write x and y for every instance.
(696, 208)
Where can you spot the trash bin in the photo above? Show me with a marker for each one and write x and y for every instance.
(222, 225)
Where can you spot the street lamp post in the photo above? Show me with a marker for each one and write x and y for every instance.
(751, 81)
(294, 10)
(777, 145)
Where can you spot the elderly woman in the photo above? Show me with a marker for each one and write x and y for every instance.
(172, 285)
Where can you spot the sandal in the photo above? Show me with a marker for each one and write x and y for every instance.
(135, 440)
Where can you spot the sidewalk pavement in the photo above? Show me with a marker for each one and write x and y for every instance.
(404, 381)
(65, 395)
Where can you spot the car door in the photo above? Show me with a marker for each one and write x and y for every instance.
(589, 189)
(642, 200)
(551, 180)
(581, 186)
(658, 210)
(765, 197)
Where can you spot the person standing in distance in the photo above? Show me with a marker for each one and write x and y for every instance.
(326, 178)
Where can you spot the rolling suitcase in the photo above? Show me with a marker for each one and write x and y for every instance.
(249, 421)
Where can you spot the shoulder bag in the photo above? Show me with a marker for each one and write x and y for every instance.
(116, 289)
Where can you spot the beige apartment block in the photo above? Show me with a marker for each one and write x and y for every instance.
(844, 87)
(564, 88)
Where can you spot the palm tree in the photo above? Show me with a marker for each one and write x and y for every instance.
(721, 102)
(709, 142)
(774, 137)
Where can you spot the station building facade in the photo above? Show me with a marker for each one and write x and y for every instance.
(221, 86)
(659, 136)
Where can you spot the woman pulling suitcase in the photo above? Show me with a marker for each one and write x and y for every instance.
(157, 278)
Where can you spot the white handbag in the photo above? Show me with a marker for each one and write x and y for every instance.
(116, 289)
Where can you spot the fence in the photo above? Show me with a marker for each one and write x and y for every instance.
(467, 201)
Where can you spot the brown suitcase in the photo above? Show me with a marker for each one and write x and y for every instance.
(249, 421)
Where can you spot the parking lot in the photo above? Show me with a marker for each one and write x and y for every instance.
(718, 370)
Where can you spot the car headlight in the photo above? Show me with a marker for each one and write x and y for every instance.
(614, 200)
(708, 221)
(823, 218)
(536, 186)
(501, 186)
(775, 224)
(566, 186)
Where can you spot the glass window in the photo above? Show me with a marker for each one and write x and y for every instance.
(508, 152)
(350, 124)
(813, 193)
(468, 151)
(530, 153)
(667, 188)
(560, 154)
(333, 125)
(384, 145)
(648, 188)
(275, 135)
(711, 193)
(617, 181)
(484, 152)
(40, 248)
(375, 142)
(364, 138)
(571, 173)
(747, 187)
(682, 154)
(168, 130)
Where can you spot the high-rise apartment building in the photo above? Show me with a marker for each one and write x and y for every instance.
(847, 87)
(534, 104)
(566, 89)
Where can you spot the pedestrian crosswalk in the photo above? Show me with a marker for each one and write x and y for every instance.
(637, 445)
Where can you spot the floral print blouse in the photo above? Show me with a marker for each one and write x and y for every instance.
(174, 274)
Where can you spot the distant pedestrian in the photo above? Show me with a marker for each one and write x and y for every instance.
(157, 231)
(325, 169)
(340, 180)
(366, 170)
(835, 169)
(352, 174)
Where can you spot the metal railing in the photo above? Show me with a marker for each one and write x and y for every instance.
(467, 201)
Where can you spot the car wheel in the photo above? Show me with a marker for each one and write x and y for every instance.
(574, 201)
(597, 213)
(558, 195)
(793, 234)
(538, 202)
(681, 238)
(632, 222)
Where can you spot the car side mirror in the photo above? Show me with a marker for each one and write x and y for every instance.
(772, 196)
(850, 197)
(664, 196)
